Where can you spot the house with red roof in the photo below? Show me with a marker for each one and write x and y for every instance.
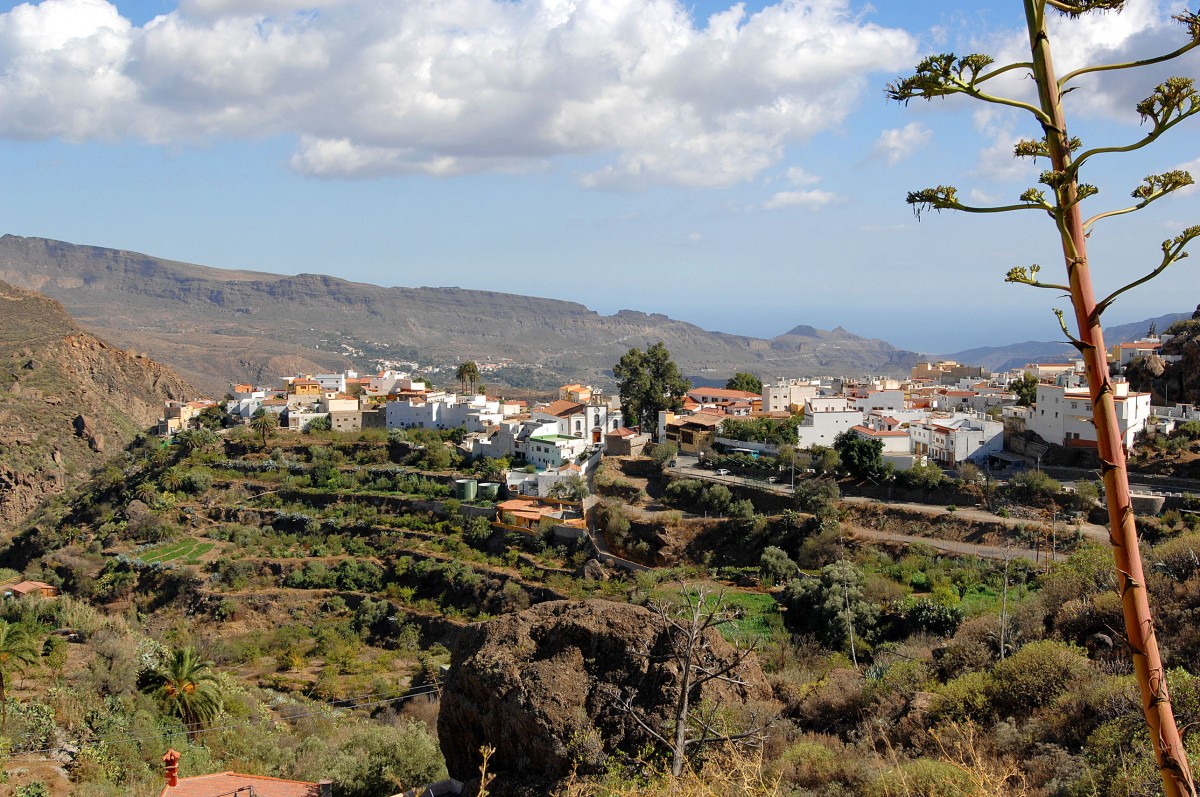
(234, 784)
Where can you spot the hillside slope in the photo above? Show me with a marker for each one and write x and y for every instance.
(219, 325)
(67, 399)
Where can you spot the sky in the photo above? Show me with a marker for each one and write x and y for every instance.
(732, 165)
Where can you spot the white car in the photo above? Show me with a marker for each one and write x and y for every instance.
(722, 471)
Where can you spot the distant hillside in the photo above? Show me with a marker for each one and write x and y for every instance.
(218, 325)
(1015, 355)
(67, 400)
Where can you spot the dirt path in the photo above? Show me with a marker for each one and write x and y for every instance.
(1090, 530)
(945, 546)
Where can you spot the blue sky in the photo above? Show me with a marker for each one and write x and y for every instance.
(733, 166)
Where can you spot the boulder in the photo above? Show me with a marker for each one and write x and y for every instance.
(541, 687)
(592, 570)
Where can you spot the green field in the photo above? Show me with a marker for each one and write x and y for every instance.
(189, 551)
(758, 613)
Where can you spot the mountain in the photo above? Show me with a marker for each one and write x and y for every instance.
(67, 400)
(216, 326)
(1015, 355)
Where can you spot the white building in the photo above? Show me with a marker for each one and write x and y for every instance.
(788, 396)
(387, 382)
(245, 404)
(895, 441)
(551, 452)
(825, 419)
(592, 420)
(299, 419)
(951, 440)
(334, 383)
(889, 401)
(443, 411)
(1063, 416)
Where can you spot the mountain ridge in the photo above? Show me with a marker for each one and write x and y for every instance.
(218, 326)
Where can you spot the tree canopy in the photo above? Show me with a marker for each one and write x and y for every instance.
(1025, 389)
(861, 457)
(744, 380)
(648, 383)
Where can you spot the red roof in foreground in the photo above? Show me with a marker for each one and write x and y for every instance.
(226, 782)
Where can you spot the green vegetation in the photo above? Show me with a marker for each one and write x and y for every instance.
(333, 566)
(775, 431)
(648, 383)
(746, 382)
(189, 551)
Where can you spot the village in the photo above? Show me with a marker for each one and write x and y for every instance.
(945, 414)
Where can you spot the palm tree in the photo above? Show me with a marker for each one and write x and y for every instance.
(187, 687)
(146, 493)
(171, 480)
(467, 373)
(264, 423)
(194, 440)
(17, 651)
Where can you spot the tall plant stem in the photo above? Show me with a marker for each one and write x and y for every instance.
(1139, 625)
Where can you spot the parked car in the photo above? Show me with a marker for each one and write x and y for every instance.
(722, 471)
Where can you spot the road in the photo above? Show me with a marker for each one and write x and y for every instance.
(687, 467)
(945, 546)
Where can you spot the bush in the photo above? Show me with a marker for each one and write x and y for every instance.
(683, 493)
(967, 697)
(1033, 487)
(812, 495)
(374, 758)
(664, 453)
(923, 777)
(776, 566)
(1036, 674)
(1189, 430)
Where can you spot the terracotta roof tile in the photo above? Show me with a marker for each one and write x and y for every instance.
(720, 392)
(226, 782)
(562, 408)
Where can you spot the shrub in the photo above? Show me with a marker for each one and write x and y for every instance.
(776, 566)
(1189, 430)
(1036, 674)
(1033, 487)
(923, 777)
(663, 453)
(967, 697)
(683, 493)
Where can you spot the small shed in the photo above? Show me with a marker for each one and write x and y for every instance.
(23, 588)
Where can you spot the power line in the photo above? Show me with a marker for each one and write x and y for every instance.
(429, 689)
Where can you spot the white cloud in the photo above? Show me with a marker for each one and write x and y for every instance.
(1142, 29)
(378, 87)
(797, 176)
(899, 143)
(997, 162)
(812, 199)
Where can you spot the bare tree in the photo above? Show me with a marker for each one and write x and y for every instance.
(690, 625)
(1060, 196)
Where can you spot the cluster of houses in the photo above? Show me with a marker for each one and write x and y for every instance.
(916, 420)
(944, 413)
(559, 439)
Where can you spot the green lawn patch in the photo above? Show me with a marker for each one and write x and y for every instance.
(188, 550)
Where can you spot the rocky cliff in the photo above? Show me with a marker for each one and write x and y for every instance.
(67, 400)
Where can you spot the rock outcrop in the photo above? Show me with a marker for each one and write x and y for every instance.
(70, 398)
(540, 687)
